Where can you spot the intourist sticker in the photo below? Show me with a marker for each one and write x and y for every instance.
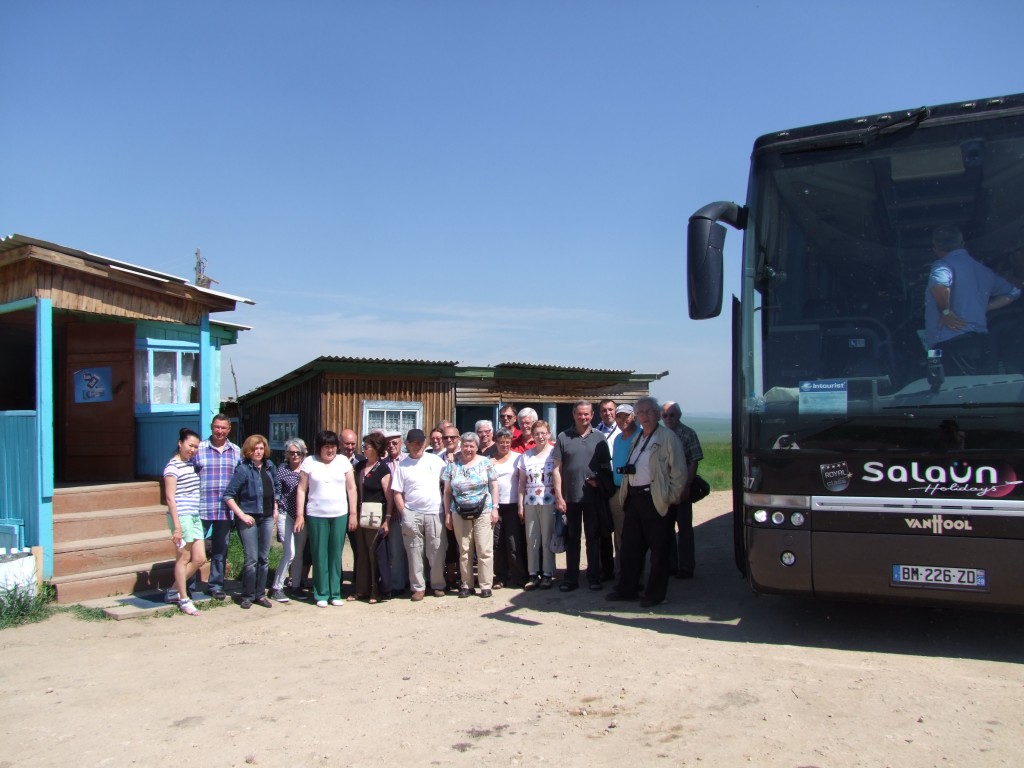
(825, 396)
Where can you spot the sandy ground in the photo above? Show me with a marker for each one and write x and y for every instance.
(715, 677)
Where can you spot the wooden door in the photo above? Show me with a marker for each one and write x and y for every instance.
(96, 434)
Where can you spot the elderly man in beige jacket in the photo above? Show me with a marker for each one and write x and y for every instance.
(654, 477)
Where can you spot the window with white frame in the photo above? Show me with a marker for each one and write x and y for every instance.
(166, 375)
(392, 415)
(283, 427)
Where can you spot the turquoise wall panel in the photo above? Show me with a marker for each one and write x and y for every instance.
(19, 476)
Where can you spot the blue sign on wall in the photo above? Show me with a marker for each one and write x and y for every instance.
(92, 385)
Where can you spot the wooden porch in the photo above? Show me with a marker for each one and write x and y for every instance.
(110, 539)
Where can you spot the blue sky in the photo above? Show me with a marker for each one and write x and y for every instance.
(477, 181)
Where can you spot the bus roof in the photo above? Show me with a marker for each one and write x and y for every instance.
(861, 130)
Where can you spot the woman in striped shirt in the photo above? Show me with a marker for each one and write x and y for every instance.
(181, 489)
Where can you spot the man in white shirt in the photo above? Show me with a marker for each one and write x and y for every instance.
(654, 476)
(417, 493)
(606, 412)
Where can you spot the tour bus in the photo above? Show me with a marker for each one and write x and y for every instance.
(864, 467)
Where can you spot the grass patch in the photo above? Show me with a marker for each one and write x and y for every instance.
(236, 557)
(83, 613)
(716, 467)
(19, 606)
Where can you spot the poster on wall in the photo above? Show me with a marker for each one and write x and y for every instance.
(92, 385)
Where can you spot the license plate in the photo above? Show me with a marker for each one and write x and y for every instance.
(938, 576)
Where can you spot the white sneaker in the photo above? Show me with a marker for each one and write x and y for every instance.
(321, 603)
(337, 602)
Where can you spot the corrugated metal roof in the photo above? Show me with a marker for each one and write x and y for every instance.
(12, 242)
(380, 360)
(539, 367)
(310, 367)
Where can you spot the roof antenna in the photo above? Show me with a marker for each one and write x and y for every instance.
(203, 280)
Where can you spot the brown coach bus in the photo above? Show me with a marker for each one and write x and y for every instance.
(867, 465)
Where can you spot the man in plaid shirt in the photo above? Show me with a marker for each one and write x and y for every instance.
(682, 557)
(215, 463)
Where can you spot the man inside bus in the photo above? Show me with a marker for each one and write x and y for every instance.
(961, 292)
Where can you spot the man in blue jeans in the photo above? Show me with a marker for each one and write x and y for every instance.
(215, 463)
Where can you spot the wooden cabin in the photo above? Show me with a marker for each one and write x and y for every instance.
(363, 394)
(104, 361)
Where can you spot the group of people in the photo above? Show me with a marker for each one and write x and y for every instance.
(485, 509)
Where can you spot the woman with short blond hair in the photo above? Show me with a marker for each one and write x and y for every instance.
(252, 495)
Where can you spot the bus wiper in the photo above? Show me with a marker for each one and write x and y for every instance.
(868, 134)
(953, 406)
(909, 120)
(949, 406)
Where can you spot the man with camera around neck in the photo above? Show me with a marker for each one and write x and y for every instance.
(654, 477)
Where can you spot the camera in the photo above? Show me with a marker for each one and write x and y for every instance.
(626, 469)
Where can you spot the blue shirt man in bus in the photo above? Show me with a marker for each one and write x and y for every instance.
(961, 292)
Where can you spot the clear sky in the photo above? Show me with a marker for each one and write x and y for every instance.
(477, 181)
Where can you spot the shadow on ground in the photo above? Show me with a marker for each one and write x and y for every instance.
(717, 604)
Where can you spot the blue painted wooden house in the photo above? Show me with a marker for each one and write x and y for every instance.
(103, 362)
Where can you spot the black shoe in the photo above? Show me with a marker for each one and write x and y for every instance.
(547, 582)
(218, 595)
(595, 586)
(650, 602)
(245, 602)
(615, 596)
(465, 592)
(568, 586)
(485, 593)
(532, 583)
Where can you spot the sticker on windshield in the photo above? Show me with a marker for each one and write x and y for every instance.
(823, 396)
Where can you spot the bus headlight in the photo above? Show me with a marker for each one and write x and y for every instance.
(778, 517)
(761, 516)
(787, 558)
(797, 519)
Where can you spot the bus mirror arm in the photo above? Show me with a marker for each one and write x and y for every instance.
(705, 239)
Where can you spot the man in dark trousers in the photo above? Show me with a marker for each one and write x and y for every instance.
(682, 558)
(654, 476)
(580, 456)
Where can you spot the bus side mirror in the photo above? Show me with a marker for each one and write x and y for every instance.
(705, 240)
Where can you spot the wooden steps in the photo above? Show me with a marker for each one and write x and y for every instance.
(110, 539)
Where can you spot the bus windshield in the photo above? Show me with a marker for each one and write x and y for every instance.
(837, 258)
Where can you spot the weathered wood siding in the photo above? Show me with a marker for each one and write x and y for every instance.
(302, 398)
(333, 401)
(81, 291)
(343, 398)
(508, 392)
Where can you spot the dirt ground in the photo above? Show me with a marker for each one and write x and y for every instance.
(717, 677)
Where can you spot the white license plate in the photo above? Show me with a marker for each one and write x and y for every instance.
(938, 576)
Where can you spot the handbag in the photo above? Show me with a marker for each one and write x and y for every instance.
(557, 541)
(699, 489)
(371, 514)
(470, 510)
